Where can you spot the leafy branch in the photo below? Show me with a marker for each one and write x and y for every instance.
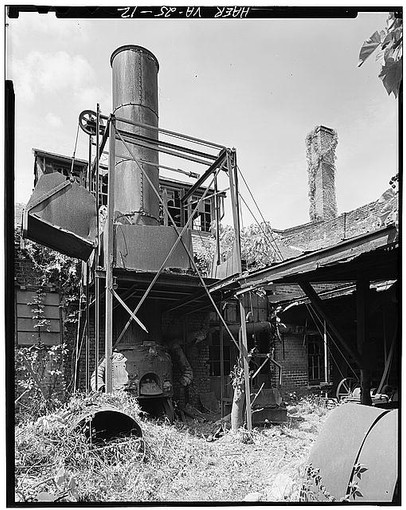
(389, 41)
(313, 484)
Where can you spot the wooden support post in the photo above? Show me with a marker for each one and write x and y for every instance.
(109, 260)
(320, 308)
(244, 354)
(326, 377)
(233, 178)
(362, 298)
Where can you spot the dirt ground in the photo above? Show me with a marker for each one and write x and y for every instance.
(265, 466)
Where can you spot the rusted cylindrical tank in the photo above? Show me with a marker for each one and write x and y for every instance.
(135, 97)
(104, 423)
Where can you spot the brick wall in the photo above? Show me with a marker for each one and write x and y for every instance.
(25, 274)
(292, 355)
(322, 234)
(184, 329)
(174, 328)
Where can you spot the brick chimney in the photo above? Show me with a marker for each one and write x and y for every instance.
(320, 152)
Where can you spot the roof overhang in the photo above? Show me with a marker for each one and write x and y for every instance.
(373, 256)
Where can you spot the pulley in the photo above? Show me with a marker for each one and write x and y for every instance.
(87, 121)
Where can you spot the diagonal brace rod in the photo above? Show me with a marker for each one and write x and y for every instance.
(126, 307)
(320, 308)
(185, 247)
(179, 239)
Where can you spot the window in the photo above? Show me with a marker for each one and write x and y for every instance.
(174, 208)
(315, 353)
(214, 356)
(203, 216)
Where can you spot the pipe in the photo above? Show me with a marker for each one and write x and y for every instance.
(135, 97)
(106, 423)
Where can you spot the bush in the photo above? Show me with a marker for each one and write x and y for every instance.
(39, 384)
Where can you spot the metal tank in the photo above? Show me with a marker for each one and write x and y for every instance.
(135, 97)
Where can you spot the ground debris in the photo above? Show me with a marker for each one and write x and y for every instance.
(281, 488)
(253, 496)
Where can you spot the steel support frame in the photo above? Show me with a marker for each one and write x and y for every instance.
(112, 134)
(184, 245)
(178, 240)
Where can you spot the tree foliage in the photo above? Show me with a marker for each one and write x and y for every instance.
(389, 42)
(258, 247)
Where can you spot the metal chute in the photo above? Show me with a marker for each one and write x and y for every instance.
(62, 215)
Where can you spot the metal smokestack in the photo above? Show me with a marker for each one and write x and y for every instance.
(135, 97)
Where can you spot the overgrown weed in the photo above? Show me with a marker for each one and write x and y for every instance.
(172, 462)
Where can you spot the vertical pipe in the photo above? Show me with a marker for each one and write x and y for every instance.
(109, 258)
(135, 97)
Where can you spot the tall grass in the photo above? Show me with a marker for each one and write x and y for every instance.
(55, 461)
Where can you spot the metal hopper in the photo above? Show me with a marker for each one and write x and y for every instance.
(61, 214)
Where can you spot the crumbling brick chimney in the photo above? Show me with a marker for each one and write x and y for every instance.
(321, 144)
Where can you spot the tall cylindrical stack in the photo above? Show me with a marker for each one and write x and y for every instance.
(135, 97)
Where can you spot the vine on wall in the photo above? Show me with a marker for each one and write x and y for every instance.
(41, 370)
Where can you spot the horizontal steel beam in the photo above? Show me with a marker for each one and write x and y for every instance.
(154, 141)
(175, 134)
(165, 151)
(158, 165)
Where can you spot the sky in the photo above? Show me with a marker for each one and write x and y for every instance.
(257, 85)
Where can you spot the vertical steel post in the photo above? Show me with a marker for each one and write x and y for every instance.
(109, 258)
(233, 178)
(87, 281)
(217, 219)
(97, 257)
